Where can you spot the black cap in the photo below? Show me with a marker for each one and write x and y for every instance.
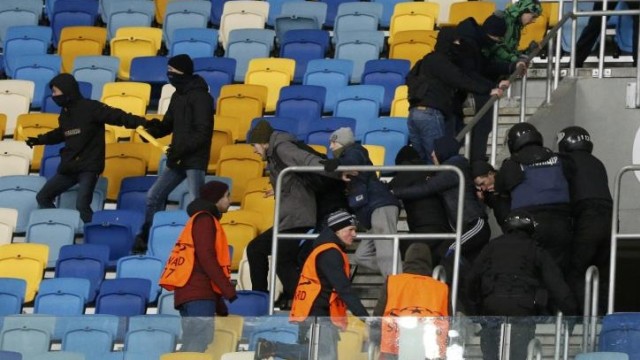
(182, 63)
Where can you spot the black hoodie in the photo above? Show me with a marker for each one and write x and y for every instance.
(81, 126)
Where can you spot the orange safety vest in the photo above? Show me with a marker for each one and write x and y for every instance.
(309, 288)
(178, 269)
(418, 296)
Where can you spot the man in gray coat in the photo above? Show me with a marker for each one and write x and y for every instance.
(297, 208)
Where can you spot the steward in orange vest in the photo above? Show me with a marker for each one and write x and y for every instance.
(323, 291)
(414, 293)
(198, 267)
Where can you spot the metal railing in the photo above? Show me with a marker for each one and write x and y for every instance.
(277, 236)
(589, 320)
(534, 350)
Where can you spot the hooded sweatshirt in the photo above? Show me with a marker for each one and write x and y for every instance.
(81, 126)
(507, 50)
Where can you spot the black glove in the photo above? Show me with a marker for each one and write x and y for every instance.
(152, 124)
(174, 154)
(330, 165)
(31, 141)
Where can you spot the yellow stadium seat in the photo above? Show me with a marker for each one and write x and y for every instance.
(221, 137)
(254, 199)
(400, 103)
(241, 164)
(132, 97)
(241, 227)
(376, 155)
(24, 261)
(479, 10)
(189, 355)
(417, 15)
(350, 344)
(80, 41)
(161, 9)
(244, 102)
(273, 73)
(228, 331)
(534, 31)
(412, 45)
(124, 160)
(3, 125)
(129, 47)
(550, 11)
(32, 125)
(229, 123)
(151, 33)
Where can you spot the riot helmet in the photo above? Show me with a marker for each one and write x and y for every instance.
(574, 138)
(522, 134)
(519, 221)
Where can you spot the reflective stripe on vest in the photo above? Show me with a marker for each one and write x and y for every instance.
(309, 288)
(417, 296)
(543, 183)
(178, 269)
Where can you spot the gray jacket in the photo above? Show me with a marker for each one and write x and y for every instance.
(298, 203)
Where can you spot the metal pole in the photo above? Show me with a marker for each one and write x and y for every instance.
(586, 316)
(507, 341)
(467, 145)
(574, 29)
(502, 339)
(549, 71)
(556, 351)
(603, 29)
(396, 246)
(594, 308)
(638, 69)
(534, 349)
(556, 73)
(440, 274)
(523, 98)
(614, 238)
(565, 354)
(274, 243)
(494, 133)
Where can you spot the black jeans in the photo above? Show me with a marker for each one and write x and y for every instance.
(198, 318)
(287, 267)
(482, 129)
(554, 233)
(60, 183)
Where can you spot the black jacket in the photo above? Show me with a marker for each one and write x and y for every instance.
(514, 265)
(81, 126)
(445, 184)
(330, 265)
(588, 183)
(190, 119)
(444, 78)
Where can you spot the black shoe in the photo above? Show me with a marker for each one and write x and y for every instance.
(139, 246)
(264, 349)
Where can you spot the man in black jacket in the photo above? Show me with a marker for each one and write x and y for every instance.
(190, 119)
(81, 127)
(512, 277)
(484, 178)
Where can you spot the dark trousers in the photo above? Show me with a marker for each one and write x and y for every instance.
(481, 130)
(327, 344)
(60, 183)
(287, 266)
(591, 34)
(197, 324)
(554, 233)
(522, 327)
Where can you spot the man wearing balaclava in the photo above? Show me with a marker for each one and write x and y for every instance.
(190, 119)
(81, 128)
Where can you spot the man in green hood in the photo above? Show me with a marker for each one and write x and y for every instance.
(516, 16)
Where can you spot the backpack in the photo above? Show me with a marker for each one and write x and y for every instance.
(416, 81)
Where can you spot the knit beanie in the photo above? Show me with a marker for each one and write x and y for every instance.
(495, 26)
(213, 191)
(182, 63)
(418, 260)
(261, 133)
(445, 148)
(407, 154)
(343, 136)
(340, 219)
(480, 168)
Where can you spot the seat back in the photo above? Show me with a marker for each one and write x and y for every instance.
(255, 199)
(62, 296)
(620, 333)
(195, 42)
(18, 13)
(233, 17)
(123, 160)
(80, 41)
(19, 192)
(332, 74)
(250, 303)
(241, 164)
(8, 220)
(154, 334)
(91, 335)
(314, 10)
(54, 228)
(244, 102)
(123, 297)
(303, 46)
(240, 227)
(71, 13)
(133, 192)
(302, 102)
(164, 231)
(184, 14)
(390, 133)
(246, 44)
(24, 40)
(359, 47)
(127, 48)
(273, 73)
(166, 303)
(97, 70)
(27, 334)
(86, 261)
(143, 267)
(125, 13)
(12, 293)
(40, 69)
(389, 73)
(359, 102)
(217, 72)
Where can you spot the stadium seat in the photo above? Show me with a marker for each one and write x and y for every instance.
(357, 16)
(246, 44)
(274, 328)
(58, 355)
(24, 40)
(376, 154)
(40, 69)
(165, 98)
(412, 16)
(273, 73)
(164, 231)
(10, 355)
(332, 74)
(27, 334)
(18, 13)
(275, 9)
(123, 297)
(241, 164)
(32, 125)
(360, 102)
(70, 13)
(287, 23)
(250, 304)
(243, 102)
(304, 46)
(166, 304)
(217, 72)
(621, 333)
(181, 193)
(220, 138)
(479, 10)
(8, 220)
(24, 261)
(303, 103)
(241, 15)
(19, 192)
(387, 11)
(125, 13)
(12, 293)
(390, 133)
(116, 229)
(133, 193)
(602, 356)
(216, 12)
(241, 226)
(389, 73)
(15, 99)
(144, 267)
(149, 69)
(13, 163)
(184, 14)
(54, 228)
(534, 31)
(305, 9)
(91, 335)
(412, 45)
(195, 42)
(320, 131)
(400, 103)
(254, 199)
(359, 47)
(160, 10)
(97, 70)
(230, 125)
(131, 97)
(150, 33)
(124, 160)
(62, 296)
(152, 334)
(85, 261)
(67, 200)
(126, 48)
(80, 41)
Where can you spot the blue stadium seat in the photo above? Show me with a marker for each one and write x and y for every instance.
(621, 333)
(53, 227)
(62, 296)
(91, 335)
(289, 125)
(10, 355)
(50, 159)
(581, 21)
(11, 295)
(40, 69)
(332, 74)
(17, 13)
(181, 193)
(250, 303)
(72, 13)
(27, 334)
(149, 69)
(127, 13)
(602, 356)
(216, 71)
(116, 229)
(164, 231)
(357, 16)
(359, 47)
(246, 44)
(274, 328)
(123, 297)
(184, 14)
(287, 23)
(19, 192)
(49, 106)
(387, 11)
(86, 261)
(133, 193)
(303, 103)
(216, 12)
(97, 70)
(306, 9)
(67, 200)
(195, 42)
(304, 46)
(142, 267)
(360, 102)
(389, 73)
(275, 9)
(157, 332)
(166, 303)
(25, 40)
(392, 133)
(116, 355)
(624, 30)
(58, 355)
(320, 131)
(332, 10)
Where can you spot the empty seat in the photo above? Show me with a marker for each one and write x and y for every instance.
(409, 16)
(166, 303)
(62, 296)
(133, 193)
(143, 267)
(86, 261)
(217, 72)
(241, 15)
(24, 40)
(244, 103)
(53, 227)
(332, 74)
(152, 334)
(97, 70)
(8, 220)
(246, 44)
(69, 13)
(303, 103)
(19, 192)
(273, 73)
(149, 69)
(620, 333)
(124, 13)
(123, 160)
(40, 69)
(359, 47)
(27, 334)
(241, 164)
(275, 9)
(91, 335)
(195, 42)
(80, 41)
(412, 45)
(15, 99)
(304, 46)
(12, 293)
(24, 261)
(116, 229)
(164, 231)
(126, 47)
(123, 297)
(389, 73)
(184, 14)
(17, 13)
(305, 9)
(220, 138)
(357, 16)
(387, 11)
(391, 133)
(360, 102)
(241, 226)
(400, 102)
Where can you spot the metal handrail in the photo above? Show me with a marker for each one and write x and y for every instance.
(558, 335)
(615, 235)
(534, 349)
(440, 273)
(395, 237)
(591, 292)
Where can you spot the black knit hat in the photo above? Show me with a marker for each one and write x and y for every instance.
(182, 63)
(480, 168)
(213, 191)
(495, 26)
(261, 133)
(340, 219)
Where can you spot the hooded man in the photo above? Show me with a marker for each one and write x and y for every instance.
(413, 293)
(199, 268)
(190, 119)
(484, 178)
(324, 292)
(81, 127)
